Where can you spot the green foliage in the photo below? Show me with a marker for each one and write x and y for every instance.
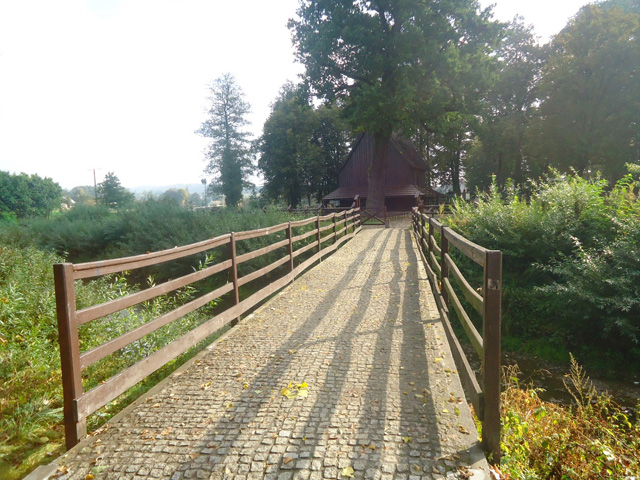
(501, 135)
(228, 152)
(25, 196)
(83, 194)
(589, 94)
(30, 377)
(301, 148)
(392, 63)
(88, 233)
(178, 195)
(571, 267)
(112, 194)
(593, 439)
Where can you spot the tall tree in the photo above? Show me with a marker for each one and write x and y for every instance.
(28, 195)
(590, 94)
(112, 194)
(228, 153)
(384, 61)
(301, 147)
(498, 148)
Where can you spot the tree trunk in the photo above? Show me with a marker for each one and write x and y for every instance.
(376, 173)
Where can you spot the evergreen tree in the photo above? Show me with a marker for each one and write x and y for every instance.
(112, 194)
(228, 153)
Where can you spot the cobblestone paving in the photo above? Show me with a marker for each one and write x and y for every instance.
(384, 401)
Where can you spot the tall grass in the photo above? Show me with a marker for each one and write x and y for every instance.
(592, 439)
(30, 376)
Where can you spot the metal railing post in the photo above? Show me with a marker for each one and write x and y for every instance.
(74, 428)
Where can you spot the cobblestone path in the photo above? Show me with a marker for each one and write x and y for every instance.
(384, 400)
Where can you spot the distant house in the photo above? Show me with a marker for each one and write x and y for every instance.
(405, 176)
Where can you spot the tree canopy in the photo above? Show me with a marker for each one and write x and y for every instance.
(301, 147)
(500, 139)
(228, 153)
(28, 195)
(590, 94)
(570, 105)
(388, 62)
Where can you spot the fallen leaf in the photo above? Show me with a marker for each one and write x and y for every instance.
(348, 472)
(406, 439)
(288, 460)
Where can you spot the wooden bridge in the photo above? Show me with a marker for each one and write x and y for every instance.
(347, 372)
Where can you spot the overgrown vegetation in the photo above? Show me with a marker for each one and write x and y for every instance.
(594, 438)
(30, 376)
(571, 268)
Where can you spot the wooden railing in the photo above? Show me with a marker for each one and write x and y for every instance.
(327, 234)
(441, 268)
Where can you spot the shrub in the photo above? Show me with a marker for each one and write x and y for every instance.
(571, 263)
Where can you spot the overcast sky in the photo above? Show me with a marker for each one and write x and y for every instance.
(121, 85)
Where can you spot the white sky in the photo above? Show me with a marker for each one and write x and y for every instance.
(121, 85)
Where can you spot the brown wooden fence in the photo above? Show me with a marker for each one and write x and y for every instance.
(327, 234)
(441, 268)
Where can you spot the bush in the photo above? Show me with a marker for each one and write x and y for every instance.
(571, 263)
(30, 376)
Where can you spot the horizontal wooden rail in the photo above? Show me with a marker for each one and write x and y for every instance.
(117, 265)
(441, 269)
(302, 237)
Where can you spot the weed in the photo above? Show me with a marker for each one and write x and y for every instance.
(593, 439)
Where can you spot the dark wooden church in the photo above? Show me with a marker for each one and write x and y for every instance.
(405, 176)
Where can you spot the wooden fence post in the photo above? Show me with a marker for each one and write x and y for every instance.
(335, 231)
(444, 268)
(318, 237)
(492, 353)
(74, 428)
(421, 225)
(290, 247)
(234, 273)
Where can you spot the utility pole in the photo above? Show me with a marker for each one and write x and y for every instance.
(95, 184)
